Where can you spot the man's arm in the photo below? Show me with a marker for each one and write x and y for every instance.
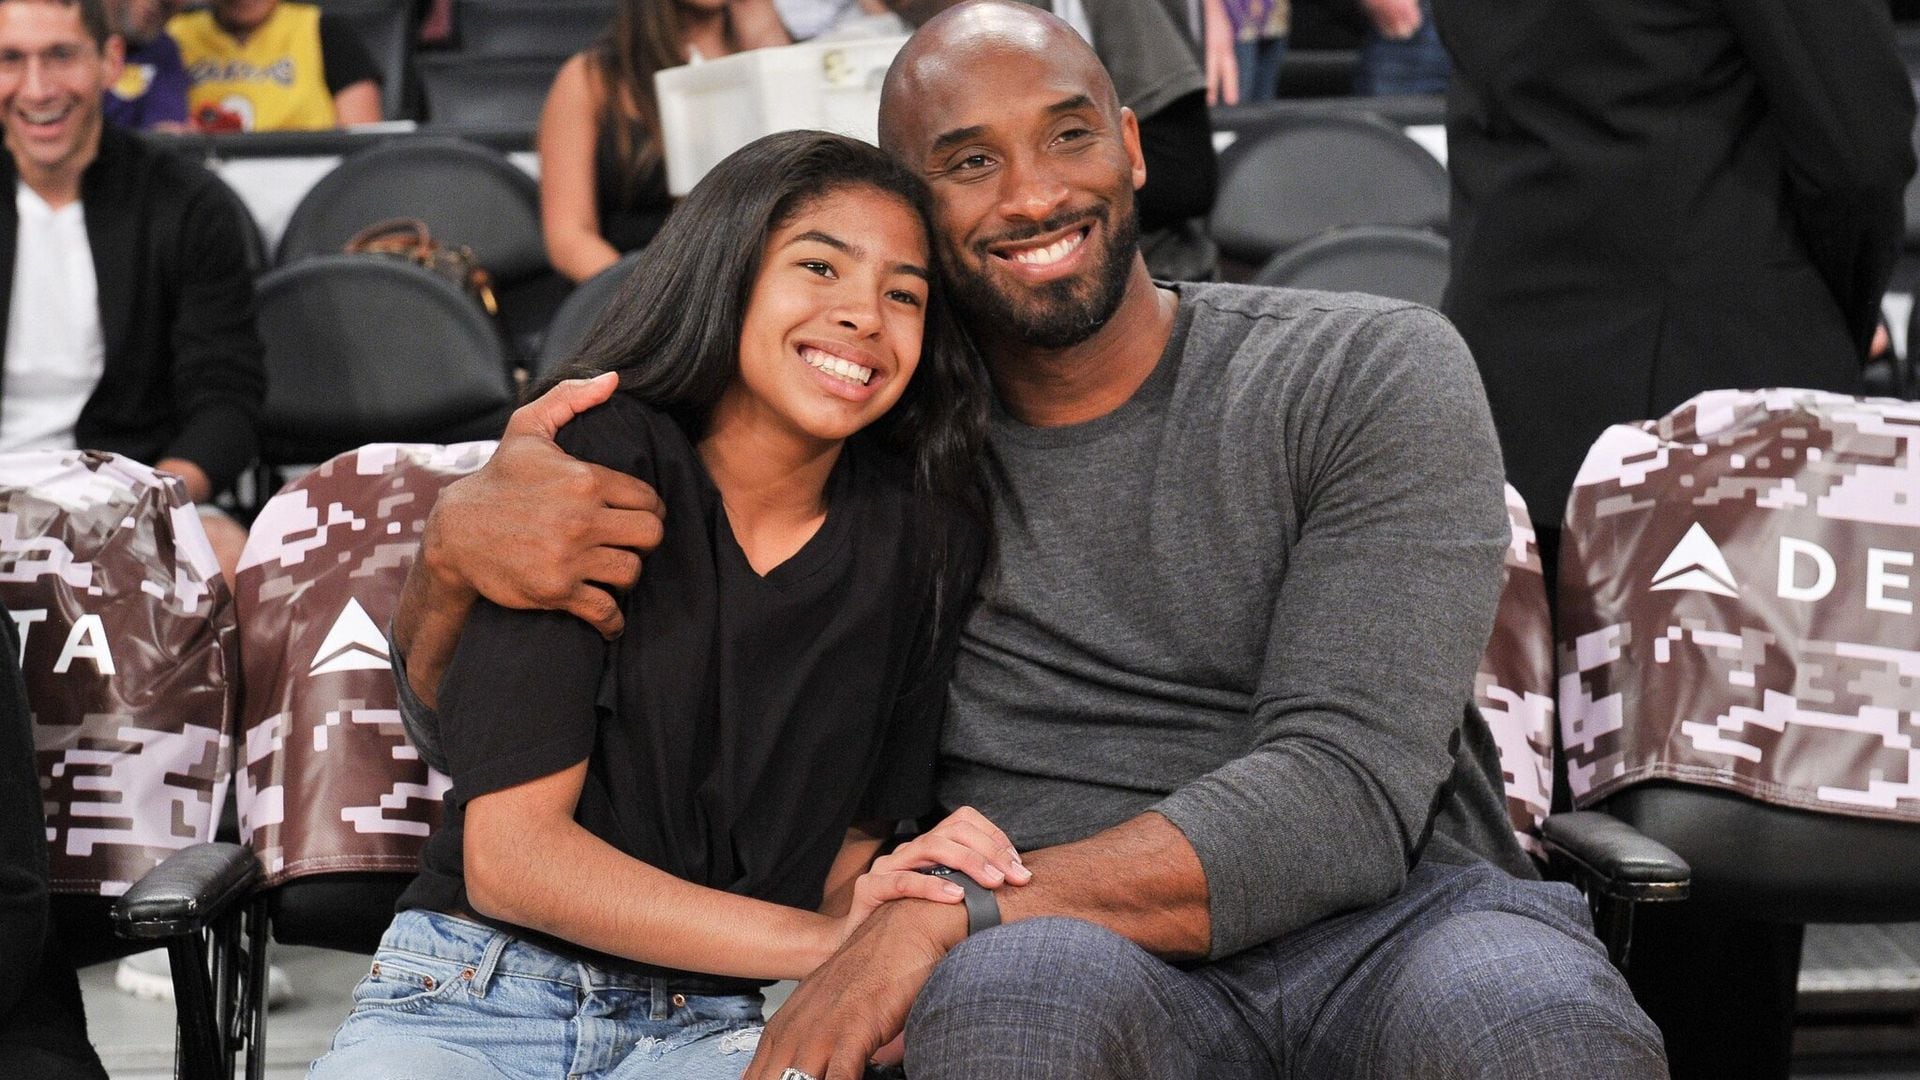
(533, 529)
(1839, 101)
(1388, 598)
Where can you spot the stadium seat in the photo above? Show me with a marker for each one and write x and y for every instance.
(386, 29)
(486, 91)
(334, 802)
(579, 314)
(1305, 175)
(1735, 605)
(362, 348)
(554, 28)
(130, 663)
(1385, 260)
(466, 194)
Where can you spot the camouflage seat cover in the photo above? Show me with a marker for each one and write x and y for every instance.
(1514, 686)
(128, 648)
(330, 782)
(1737, 603)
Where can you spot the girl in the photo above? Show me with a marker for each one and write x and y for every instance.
(642, 833)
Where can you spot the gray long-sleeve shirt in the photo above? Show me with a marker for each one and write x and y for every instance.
(1252, 599)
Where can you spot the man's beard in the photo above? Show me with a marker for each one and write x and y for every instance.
(1050, 316)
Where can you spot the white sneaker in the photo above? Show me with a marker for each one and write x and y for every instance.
(149, 975)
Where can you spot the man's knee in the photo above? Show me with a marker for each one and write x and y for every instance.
(1496, 994)
(1044, 961)
(1058, 994)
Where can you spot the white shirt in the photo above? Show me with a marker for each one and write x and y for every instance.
(55, 351)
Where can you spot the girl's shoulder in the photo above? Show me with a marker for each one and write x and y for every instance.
(627, 434)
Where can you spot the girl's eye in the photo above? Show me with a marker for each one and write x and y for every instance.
(818, 267)
(902, 296)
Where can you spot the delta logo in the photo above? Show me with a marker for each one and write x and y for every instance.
(353, 643)
(1806, 572)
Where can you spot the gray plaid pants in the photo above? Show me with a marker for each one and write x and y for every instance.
(1468, 972)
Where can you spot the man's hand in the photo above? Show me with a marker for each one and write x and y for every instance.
(532, 529)
(1395, 19)
(537, 529)
(856, 1002)
(199, 488)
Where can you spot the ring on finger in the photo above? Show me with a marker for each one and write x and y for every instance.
(796, 1074)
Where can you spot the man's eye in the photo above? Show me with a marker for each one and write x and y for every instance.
(1074, 134)
(973, 161)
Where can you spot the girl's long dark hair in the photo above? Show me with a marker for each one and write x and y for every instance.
(673, 329)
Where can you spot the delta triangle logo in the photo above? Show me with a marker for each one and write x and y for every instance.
(353, 644)
(1696, 565)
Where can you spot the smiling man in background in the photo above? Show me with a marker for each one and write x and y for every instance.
(124, 284)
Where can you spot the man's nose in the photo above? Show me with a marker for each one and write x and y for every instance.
(1031, 191)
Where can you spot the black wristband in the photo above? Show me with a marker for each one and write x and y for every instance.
(983, 910)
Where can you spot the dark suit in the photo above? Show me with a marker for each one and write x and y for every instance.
(1657, 197)
(183, 373)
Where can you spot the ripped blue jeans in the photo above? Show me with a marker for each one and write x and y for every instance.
(447, 998)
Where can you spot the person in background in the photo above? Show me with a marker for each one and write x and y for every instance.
(603, 172)
(1401, 52)
(151, 93)
(43, 1025)
(264, 65)
(1652, 198)
(806, 20)
(1253, 36)
(128, 303)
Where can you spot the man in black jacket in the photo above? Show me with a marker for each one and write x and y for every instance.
(124, 282)
(1652, 198)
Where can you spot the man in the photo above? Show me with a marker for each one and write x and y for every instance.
(1156, 68)
(1247, 553)
(124, 284)
(264, 65)
(1652, 198)
(151, 93)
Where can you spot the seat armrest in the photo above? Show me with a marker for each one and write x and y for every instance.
(1607, 856)
(193, 887)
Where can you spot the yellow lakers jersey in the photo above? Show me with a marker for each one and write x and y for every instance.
(273, 81)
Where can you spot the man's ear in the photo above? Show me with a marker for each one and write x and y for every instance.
(114, 57)
(1130, 136)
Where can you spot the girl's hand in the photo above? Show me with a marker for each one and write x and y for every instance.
(966, 841)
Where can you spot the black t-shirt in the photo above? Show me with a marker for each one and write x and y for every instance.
(741, 723)
(343, 55)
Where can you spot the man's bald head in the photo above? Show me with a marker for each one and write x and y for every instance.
(941, 65)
